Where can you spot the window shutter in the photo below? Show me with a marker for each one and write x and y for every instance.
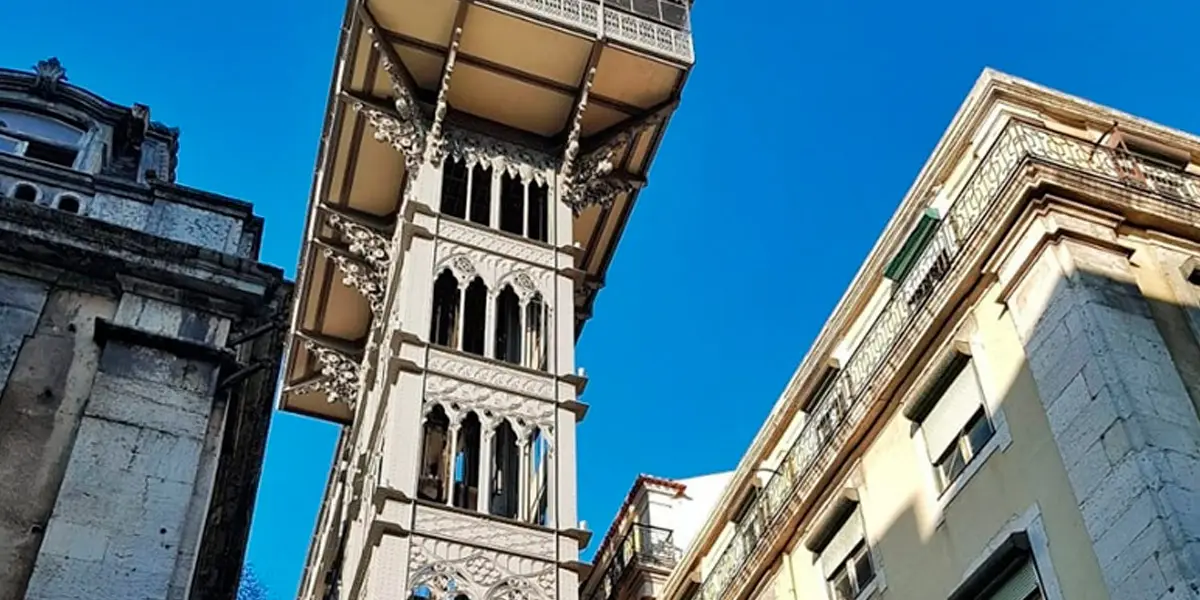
(1019, 585)
(842, 543)
(950, 413)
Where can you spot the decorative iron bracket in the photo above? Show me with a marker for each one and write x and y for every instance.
(339, 377)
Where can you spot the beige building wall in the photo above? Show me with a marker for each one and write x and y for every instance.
(1061, 269)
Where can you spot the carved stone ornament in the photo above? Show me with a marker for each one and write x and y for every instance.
(365, 243)
(445, 569)
(339, 375)
(364, 278)
(48, 74)
(473, 148)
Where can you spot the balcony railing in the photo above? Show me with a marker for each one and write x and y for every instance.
(658, 26)
(841, 407)
(642, 545)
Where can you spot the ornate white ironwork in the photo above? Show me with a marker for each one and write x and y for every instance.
(648, 35)
(473, 148)
(639, 32)
(592, 181)
(437, 150)
(339, 377)
(367, 274)
(840, 409)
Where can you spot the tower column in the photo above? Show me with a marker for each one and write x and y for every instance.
(486, 438)
(523, 487)
(452, 459)
(489, 328)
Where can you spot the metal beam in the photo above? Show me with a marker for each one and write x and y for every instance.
(435, 145)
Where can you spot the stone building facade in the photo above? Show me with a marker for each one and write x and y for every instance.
(1004, 403)
(140, 342)
(479, 162)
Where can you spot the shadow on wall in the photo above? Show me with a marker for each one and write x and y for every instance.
(1068, 435)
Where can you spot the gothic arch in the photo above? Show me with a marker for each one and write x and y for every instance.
(443, 581)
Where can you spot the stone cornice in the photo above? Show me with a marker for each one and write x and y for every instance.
(102, 250)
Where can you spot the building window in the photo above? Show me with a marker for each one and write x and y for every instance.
(539, 198)
(1017, 583)
(844, 556)
(25, 191)
(39, 137)
(68, 203)
(508, 326)
(454, 188)
(431, 485)
(445, 325)
(466, 463)
(512, 205)
(481, 195)
(474, 315)
(970, 441)
(506, 472)
(952, 418)
(853, 575)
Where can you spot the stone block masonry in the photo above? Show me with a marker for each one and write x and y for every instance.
(1120, 414)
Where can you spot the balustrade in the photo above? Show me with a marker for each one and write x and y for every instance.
(658, 26)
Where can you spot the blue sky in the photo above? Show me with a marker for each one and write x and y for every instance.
(803, 125)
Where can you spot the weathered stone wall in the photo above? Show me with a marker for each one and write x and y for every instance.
(1120, 414)
(135, 482)
(40, 409)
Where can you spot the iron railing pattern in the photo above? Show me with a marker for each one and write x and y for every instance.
(839, 410)
(633, 29)
(643, 545)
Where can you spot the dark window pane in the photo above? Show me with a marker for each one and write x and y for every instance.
(512, 205)
(50, 153)
(538, 211)
(864, 570)
(481, 195)
(25, 192)
(979, 431)
(454, 188)
(674, 15)
(8, 145)
(951, 466)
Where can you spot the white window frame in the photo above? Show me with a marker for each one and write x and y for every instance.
(848, 566)
(23, 145)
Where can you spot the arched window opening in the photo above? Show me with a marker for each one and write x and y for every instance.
(466, 464)
(481, 195)
(26, 192)
(444, 328)
(434, 457)
(512, 205)
(539, 472)
(535, 334)
(69, 204)
(475, 317)
(539, 212)
(506, 469)
(39, 137)
(508, 326)
(454, 188)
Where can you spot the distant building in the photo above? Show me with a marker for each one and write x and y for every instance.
(1004, 403)
(651, 531)
(139, 351)
(478, 165)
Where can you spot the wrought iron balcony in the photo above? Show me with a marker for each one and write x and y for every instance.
(642, 546)
(841, 408)
(656, 26)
